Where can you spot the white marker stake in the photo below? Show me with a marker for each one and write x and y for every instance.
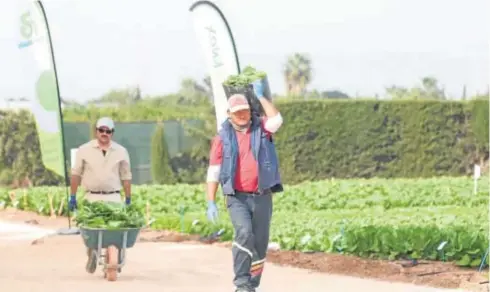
(440, 248)
(476, 176)
(442, 245)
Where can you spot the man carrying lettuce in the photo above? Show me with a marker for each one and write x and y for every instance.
(244, 162)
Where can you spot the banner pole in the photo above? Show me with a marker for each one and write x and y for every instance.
(48, 32)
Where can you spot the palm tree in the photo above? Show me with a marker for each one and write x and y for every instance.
(297, 74)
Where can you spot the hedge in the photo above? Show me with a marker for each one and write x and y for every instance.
(371, 138)
(331, 138)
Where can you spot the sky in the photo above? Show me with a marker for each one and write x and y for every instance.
(357, 46)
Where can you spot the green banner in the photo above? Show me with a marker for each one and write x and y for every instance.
(36, 43)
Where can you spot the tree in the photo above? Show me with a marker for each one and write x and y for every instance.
(208, 86)
(161, 170)
(120, 96)
(429, 90)
(397, 92)
(192, 93)
(330, 94)
(137, 94)
(297, 74)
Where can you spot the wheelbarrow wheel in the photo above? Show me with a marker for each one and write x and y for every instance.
(91, 261)
(111, 263)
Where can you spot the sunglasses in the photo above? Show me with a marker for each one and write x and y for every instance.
(105, 131)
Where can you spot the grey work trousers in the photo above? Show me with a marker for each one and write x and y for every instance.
(251, 217)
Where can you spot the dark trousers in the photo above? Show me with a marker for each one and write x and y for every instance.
(251, 217)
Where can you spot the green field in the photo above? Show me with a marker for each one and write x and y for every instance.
(383, 218)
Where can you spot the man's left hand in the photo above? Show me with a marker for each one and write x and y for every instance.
(258, 88)
(73, 202)
(128, 200)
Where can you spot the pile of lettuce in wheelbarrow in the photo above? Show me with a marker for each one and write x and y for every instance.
(111, 227)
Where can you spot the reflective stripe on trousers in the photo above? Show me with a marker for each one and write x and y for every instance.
(251, 217)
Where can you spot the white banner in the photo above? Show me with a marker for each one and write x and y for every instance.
(36, 46)
(218, 46)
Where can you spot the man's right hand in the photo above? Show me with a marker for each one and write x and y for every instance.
(212, 211)
(73, 202)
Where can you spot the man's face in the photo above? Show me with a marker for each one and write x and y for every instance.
(104, 134)
(241, 117)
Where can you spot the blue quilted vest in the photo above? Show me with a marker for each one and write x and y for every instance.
(264, 152)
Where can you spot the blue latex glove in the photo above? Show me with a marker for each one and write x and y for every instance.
(72, 204)
(128, 200)
(212, 211)
(258, 88)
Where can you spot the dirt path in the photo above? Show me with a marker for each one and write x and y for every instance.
(57, 263)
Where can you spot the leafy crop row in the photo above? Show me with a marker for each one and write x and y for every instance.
(371, 218)
(389, 194)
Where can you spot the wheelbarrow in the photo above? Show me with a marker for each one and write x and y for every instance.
(115, 242)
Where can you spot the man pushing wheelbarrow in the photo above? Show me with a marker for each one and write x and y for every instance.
(102, 167)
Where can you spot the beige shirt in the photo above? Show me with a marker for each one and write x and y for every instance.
(102, 173)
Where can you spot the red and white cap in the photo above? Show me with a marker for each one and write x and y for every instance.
(237, 102)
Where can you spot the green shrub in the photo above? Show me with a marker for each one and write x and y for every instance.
(20, 154)
(478, 111)
(161, 170)
(6, 177)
